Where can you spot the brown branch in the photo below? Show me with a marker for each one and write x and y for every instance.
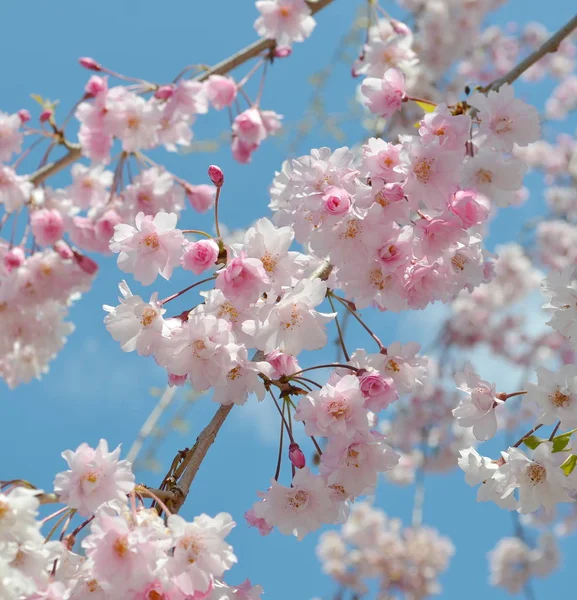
(253, 50)
(73, 154)
(551, 45)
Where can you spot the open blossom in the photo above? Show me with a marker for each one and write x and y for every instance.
(451, 131)
(14, 190)
(539, 481)
(292, 324)
(96, 477)
(298, 509)
(199, 256)
(136, 324)
(47, 226)
(248, 126)
(202, 347)
(221, 91)
(152, 247)
(555, 396)
(243, 280)
(334, 410)
(10, 135)
(200, 552)
(561, 289)
(477, 409)
(384, 97)
(285, 21)
(506, 120)
(201, 197)
(90, 185)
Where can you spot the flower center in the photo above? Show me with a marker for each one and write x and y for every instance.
(558, 398)
(197, 347)
(120, 546)
(92, 585)
(229, 310)
(234, 374)
(268, 262)
(151, 241)
(484, 176)
(298, 500)
(393, 365)
(337, 409)
(423, 169)
(148, 315)
(133, 122)
(4, 509)
(502, 125)
(352, 456)
(459, 261)
(352, 230)
(295, 319)
(536, 473)
(284, 11)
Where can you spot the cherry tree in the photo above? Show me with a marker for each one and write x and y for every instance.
(395, 222)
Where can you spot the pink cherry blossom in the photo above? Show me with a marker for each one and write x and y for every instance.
(10, 136)
(150, 248)
(199, 256)
(96, 477)
(298, 509)
(47, 226)
(285, 21)
(201, 197)
(335, 410)
(221, 91)
(248, 126)
(384, 96)
(243, 280)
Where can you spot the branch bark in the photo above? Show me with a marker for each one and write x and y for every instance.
(551, 45)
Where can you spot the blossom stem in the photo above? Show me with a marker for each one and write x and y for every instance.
(505, 397)
(216, 225)
(59, 522)
(520, 441)
(421, 100)
(339, 330)
(280, 445)
(554, 432)
(327, 366)
(156, 495)
(162, 302)
(281, 413)
(198, 232)
(54, 514)
(301, 379)
(365, 326)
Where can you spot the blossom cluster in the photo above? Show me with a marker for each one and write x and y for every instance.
(404, 561)
(130, 552)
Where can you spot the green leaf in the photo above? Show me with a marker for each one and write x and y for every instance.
(533, 441)
(560, 442)
(569, 464)
(428, 107)
(37, 98)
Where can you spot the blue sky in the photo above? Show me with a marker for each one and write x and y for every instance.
(94, 390)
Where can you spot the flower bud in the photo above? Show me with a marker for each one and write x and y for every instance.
(24, 115)
(85, 263)
(45, 115)
(95, 85)
(89, 63)
(164, 92)
(296, 456)
(282, 52)
(216, 175)
(14, 258)
(63, 250)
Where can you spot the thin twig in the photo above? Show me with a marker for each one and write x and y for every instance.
(151, 422)
(551, 45)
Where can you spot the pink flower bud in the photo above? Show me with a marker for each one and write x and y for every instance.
(14, 258)
(63, 250)
(45, 115)
(47, 226)
(176, 380)
(85, 263)
(164, 92)
(199, 256)
(216, 175)
(336, 201)
(24, 115)
(89, 63)
(296, 456)
(282, 52)
(283, 364)
(201, 197)
(96, 85)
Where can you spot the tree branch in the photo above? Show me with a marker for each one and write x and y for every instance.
(253, 50)
(551, 45)
(73, 154)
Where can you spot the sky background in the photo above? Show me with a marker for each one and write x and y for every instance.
(94, 390)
